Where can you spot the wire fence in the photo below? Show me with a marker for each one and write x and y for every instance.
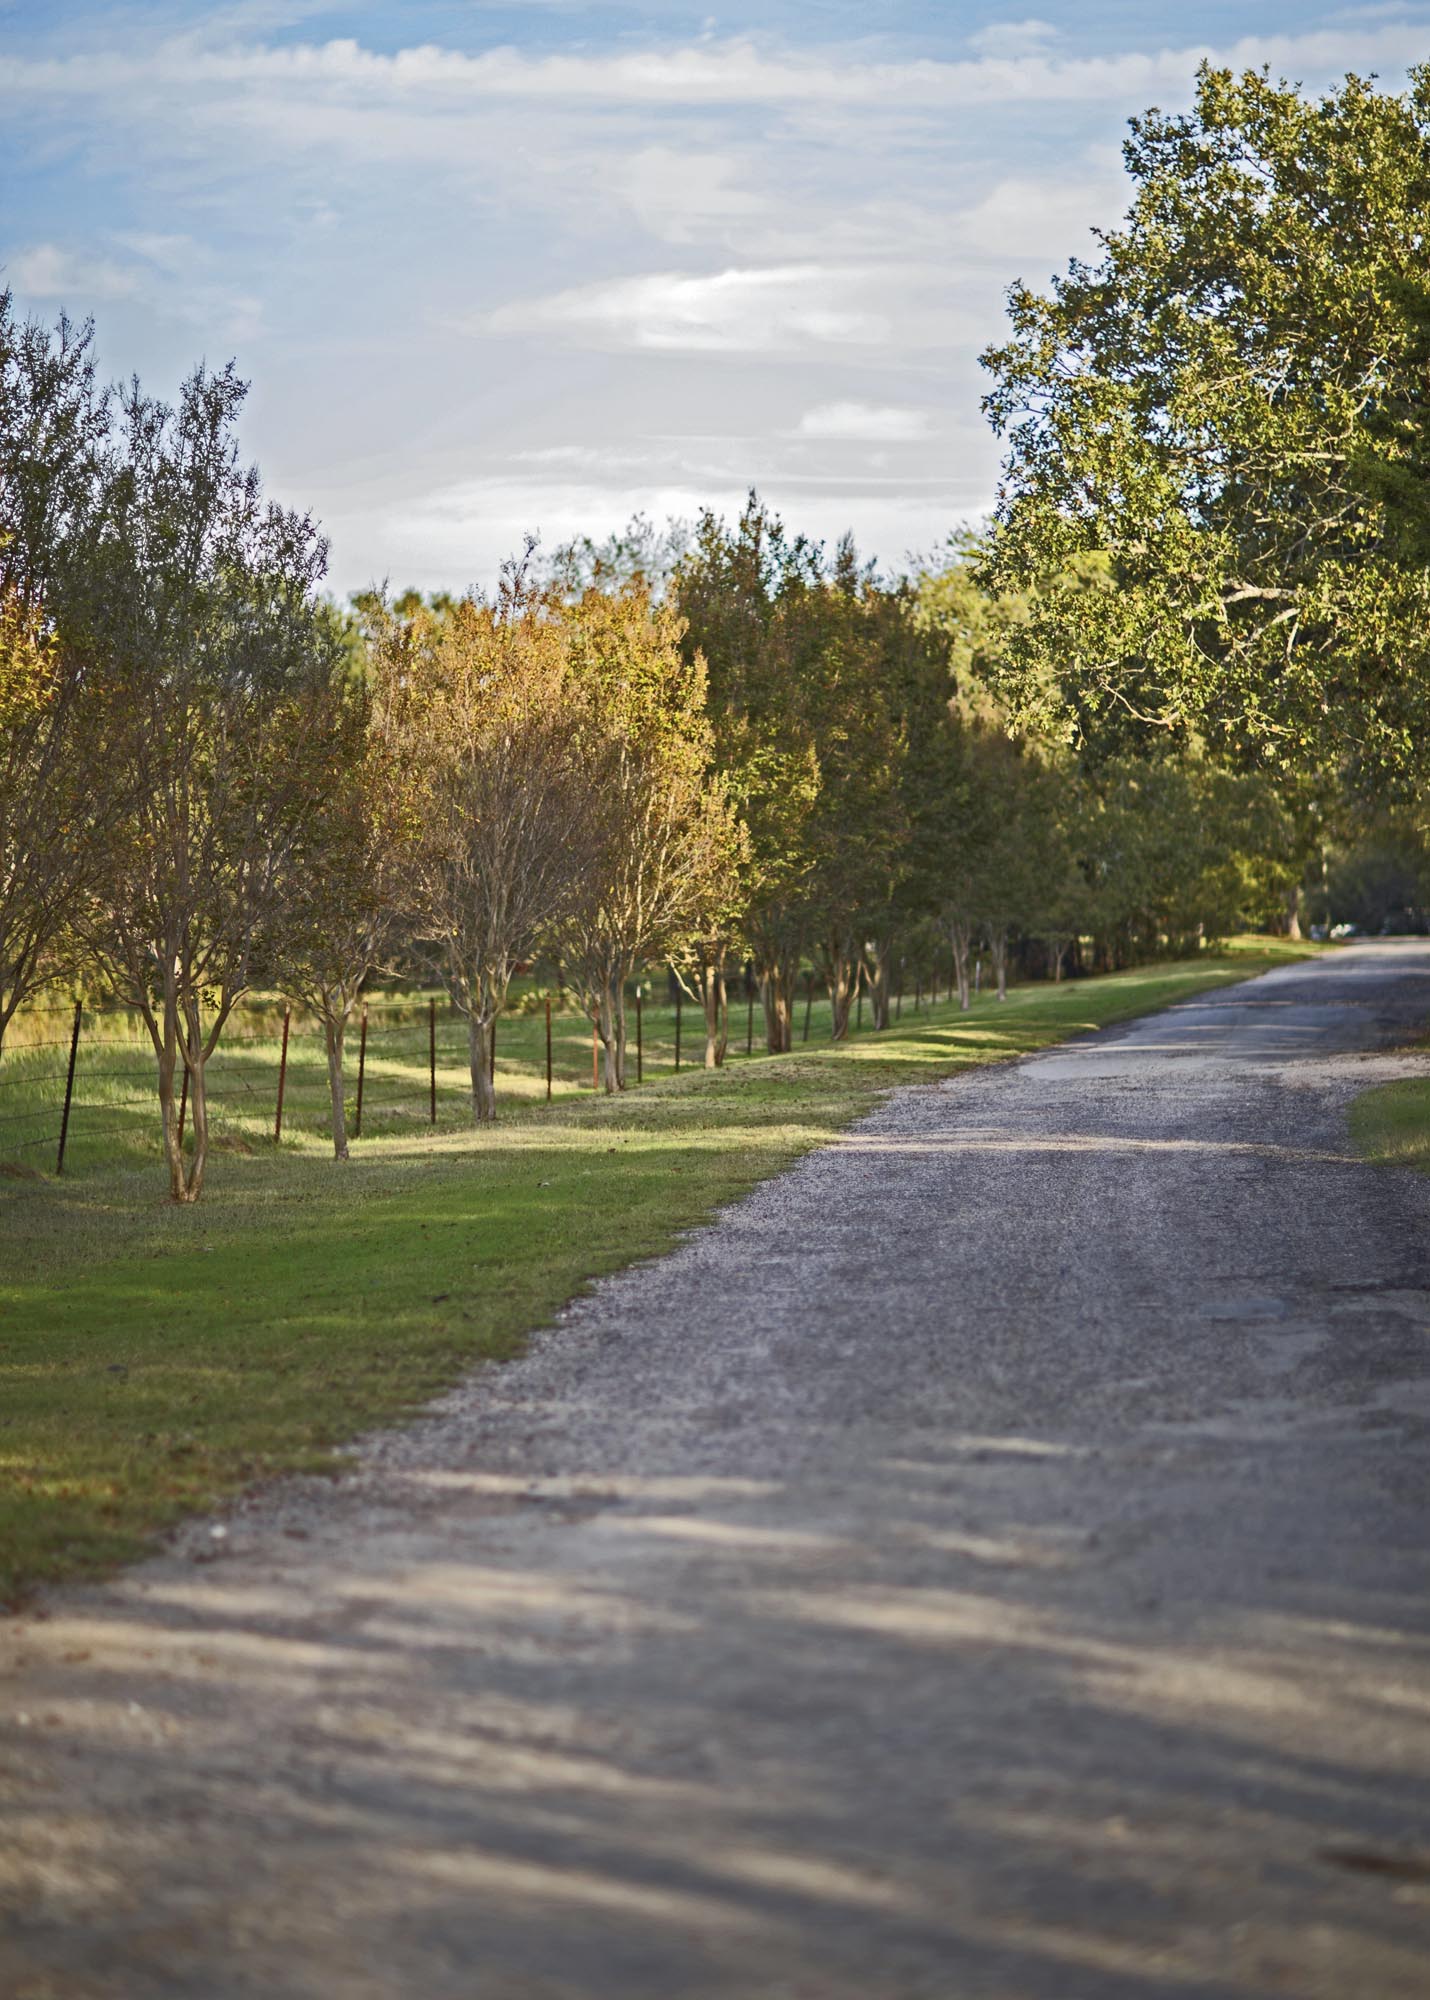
(79, 1085)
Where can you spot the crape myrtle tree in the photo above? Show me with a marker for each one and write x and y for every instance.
(55, 792)
(810, 703)
(744, 592)
(858, 830)
(991, 840)
(494, 721)
(661, 844)
(1227, 413)
(912, 687)
(357, 901)
(200, 609)
(1015, 806)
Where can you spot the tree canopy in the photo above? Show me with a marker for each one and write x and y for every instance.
(1216, 433)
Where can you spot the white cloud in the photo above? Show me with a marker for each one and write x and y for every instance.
(680, 195)
(779, 310)
(623, 218)
(1021, 221)
(174, 255)
(459, 534)
(50, 272)
(865, 423)
(434, 82)
(172, 278)
(1013, 38)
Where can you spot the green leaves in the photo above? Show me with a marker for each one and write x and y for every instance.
(1223, 422)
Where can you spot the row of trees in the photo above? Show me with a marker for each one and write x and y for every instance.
(211, 776)
(1142, 710)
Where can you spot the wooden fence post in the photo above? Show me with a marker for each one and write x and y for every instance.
(282, 1077)
(69, 1086)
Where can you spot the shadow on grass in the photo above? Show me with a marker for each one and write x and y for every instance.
(153, 1359)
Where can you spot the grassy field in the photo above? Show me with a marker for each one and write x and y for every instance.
(1391, 1125)
(414, 1058)
(154, 1359)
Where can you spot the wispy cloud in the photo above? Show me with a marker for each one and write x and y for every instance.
(865, 423)
(733, 72)
(1013, 38)
(540, 285)
(781, 310)
(68, 277)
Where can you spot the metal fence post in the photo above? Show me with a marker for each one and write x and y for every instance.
(899, 999)
(595, 1042)
(808, 1001)
(69, 1087)
(859, 998)
(548, 1048)
(638, 1035)
(282, 1077)
(677, 1027)
(362, 1071)
(492, 1051)
(749, 1019)
(432, 1059)
(183, 1104)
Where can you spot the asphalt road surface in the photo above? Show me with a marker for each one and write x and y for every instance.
(991, 1560)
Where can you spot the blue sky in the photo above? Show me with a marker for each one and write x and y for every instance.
(497, 268)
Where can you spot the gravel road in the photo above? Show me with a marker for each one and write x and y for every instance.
(990, 1560)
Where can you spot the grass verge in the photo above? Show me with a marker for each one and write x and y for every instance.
(155, 1359)
(1391, 1124)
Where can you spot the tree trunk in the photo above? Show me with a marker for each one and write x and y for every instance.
(715, 1002)
(169, 1117)
(199, 1119)
(880, 983)
(484, 1097)
(618, 1009)
(179, 1047)
(960, 936)
(998, 952)
(777, 982)
(333, 1027)
(606, 1031)
(1293, 911)
(839, 976)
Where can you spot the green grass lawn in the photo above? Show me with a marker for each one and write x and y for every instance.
(154, 1358)
(1391, 1124)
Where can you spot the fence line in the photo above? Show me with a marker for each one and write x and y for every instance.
(268, 1077)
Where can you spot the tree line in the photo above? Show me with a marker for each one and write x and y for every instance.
(1139, 709)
